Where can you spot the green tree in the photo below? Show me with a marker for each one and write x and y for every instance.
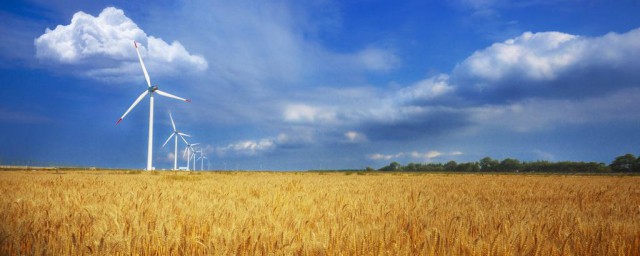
(392, 167)
(626, 163)
(510, 165)
(488, 165)
(450, 166)
(468, 167)
(412, 167)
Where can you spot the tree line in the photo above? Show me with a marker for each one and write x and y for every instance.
(624, 163)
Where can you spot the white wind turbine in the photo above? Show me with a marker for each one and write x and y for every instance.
(175, 135)
(150, 91)
(193, 158)
(202, 158)
(188, 151)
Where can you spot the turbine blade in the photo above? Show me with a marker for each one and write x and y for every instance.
(184, 134)
(171, 96)
(165, 143)
(133, 105)
(144, 69)
(185, 141)
(172, 123)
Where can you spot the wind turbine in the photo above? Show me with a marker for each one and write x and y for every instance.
(193, 157)
(187, 151)
(188, 156)
(151, 90)
(175, 135)
(202, 158)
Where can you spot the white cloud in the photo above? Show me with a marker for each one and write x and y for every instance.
(426, 89)
(102, 46)
(248, 147)
(297, 136)
(350, 107)
(302, 113)
(427, 155)
(456, 153)
(355, 137)
(539, 56)
(547, 56)
(421, 156)
(378, 156)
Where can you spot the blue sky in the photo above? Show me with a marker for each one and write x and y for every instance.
(289, 85)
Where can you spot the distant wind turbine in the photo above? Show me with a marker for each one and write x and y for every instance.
(188, 151)
(175, 135)
(202, 158)
(150, 91)
(193, 157)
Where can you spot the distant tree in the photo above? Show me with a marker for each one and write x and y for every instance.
(392, 167)
(488, 165)
(432, 167)
(450, 166)
(537, 166)
(468, 167)
(510, 165)
(369, 169)
(626, 163)
(412, 167)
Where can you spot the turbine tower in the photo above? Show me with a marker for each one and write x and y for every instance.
(175, 135)
(151, 90)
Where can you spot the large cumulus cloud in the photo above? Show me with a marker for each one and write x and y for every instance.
(550, 64)
(102, 47)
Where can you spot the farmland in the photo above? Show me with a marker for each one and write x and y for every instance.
(116, 212)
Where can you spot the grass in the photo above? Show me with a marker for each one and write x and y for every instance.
(317, 214)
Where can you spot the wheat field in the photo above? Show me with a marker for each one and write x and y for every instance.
(142, 213)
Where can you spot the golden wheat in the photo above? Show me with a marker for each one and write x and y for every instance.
(107, 213)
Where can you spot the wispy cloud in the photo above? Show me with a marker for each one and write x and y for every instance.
(248, 147)
(302, 113)
(355, 137)
(413, 155)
